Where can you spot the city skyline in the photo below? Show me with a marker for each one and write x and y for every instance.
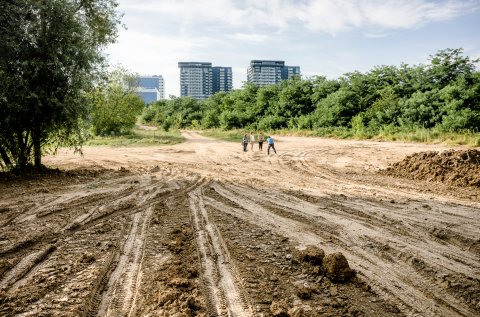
(327, 38)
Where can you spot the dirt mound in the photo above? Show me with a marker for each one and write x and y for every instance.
(459, 168)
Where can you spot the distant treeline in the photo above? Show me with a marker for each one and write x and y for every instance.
(444, 94)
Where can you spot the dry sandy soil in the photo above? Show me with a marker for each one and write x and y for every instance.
(204, 229)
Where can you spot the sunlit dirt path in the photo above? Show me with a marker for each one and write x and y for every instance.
(204, 229)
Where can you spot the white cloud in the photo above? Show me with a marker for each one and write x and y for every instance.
(375, 35)
(150, 55)
(394, 14)
(318, 15)
(250, 37)
(231, 32)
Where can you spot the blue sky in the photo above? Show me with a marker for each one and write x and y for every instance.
(323, 37)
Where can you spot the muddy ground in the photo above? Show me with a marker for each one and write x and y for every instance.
(203, 229)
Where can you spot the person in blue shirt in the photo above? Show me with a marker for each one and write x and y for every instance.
(271, 144)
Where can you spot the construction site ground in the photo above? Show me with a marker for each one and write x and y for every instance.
(202, 228)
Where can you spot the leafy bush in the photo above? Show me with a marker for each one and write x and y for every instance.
(271, 123)
(114, 105)
(387, 100)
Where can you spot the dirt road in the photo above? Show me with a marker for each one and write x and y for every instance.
(204, 229)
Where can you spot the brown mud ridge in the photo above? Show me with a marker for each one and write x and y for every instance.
(458, 168)
(203, 229)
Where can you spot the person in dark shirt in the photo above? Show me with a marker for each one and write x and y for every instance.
(245, 142)
(260, 141)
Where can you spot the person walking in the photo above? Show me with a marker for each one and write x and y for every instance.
(252, 140)
(271, 144)
(260, 141)
(245, 142)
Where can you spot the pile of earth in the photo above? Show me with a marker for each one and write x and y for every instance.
(459, 168)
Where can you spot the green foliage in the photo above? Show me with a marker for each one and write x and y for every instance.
(337, 109)
(384, 111)
(114, 104)
(443, 95)
(294, 98)
(50, 55)
(231, 120)
(448, 65)
(138, 137)
(271, 122)
(422, 109)
(358, 126)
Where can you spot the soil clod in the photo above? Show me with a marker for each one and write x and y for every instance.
(336, 267)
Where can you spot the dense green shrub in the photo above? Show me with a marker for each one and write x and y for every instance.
(444, 94)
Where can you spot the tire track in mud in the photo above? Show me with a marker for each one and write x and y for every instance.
(385, 231)
(88, 212)
(396, 281)
(413, 250)
(440, 241)
(141, 201)
(122, 285)
(25, 265)
(118, 292)
(243, 218)
(223, 286)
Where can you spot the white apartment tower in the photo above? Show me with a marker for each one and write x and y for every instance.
(263, 72)
(195, 79)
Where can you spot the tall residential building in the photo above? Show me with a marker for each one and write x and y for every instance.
(264, 73)
(151, 88)
(195, 79)
(222, 79)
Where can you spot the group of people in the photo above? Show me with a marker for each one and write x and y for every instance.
(251, 140)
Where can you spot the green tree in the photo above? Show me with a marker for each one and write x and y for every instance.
(337, 109)
(384, 110)
(461, 104)
(322, 87)
(422, 109)
(294, 98)
(50, 55)
(115, 105)
(448, 65)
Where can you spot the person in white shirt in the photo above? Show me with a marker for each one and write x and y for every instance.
(252, 140)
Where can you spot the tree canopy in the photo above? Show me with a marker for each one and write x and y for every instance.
(442, 94)
(50, 55)
(114, 104)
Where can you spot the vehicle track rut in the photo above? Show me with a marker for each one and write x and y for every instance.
(204, 229)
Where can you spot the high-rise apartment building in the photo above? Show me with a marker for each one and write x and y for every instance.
(200, 80)
(221, 79)
(262, 72)
(151, 88)
(195, 79)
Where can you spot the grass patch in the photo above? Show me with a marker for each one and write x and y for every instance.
(432, 136)
(435, 136)
(138, 137)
